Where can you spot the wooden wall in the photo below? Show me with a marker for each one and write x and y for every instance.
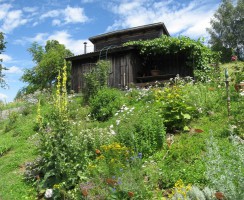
(121, 39)
(126, 67)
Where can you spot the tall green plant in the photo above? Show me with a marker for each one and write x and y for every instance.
(63, 155)
(96, 79)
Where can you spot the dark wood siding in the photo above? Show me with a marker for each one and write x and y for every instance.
(119, 40)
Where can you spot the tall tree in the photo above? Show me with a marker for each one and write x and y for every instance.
(2, 47)
(227, 29)
(49, 60)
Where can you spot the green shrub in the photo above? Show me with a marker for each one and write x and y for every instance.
(96, 79)
(205, 98)
(141, 129)
(176, 112)
(105, 103)
(225, 166)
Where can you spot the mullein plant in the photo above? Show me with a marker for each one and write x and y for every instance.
(61, 101)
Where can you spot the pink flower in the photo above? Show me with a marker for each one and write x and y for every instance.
(233, 58)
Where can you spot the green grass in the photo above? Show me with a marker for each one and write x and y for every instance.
(185, 159)
(17, 148)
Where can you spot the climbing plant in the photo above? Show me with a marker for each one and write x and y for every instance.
(198, 55)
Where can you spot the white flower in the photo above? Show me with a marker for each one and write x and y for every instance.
(112, 132)
(117, 122)
(48, 193)
(111, 126)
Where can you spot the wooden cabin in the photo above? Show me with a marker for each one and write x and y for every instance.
(127, 65)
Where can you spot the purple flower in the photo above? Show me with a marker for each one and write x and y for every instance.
(140, 155)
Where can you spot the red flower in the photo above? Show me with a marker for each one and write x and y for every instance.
(219, 195)
(130, 194)
(98, 151)
(233, 58)
(84, 192)
(111, 182)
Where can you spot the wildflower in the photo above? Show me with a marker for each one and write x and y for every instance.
(111, 181)
(130, 194)
(219, 195)
(98, 151)
(48, 193)
(233, 58)
(117, 122)
(112, 132)
(140, 155)
(84, 192)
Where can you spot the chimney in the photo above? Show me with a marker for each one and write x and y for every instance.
(85, 47)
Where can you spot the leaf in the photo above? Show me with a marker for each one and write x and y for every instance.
(186, 116)
(186, 128)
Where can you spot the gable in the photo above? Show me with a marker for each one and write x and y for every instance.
(117, 38)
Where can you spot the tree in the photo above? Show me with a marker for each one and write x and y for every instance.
(2, 47)
(49, 61)
(227, 29)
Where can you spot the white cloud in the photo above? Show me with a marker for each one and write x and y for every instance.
(5, 57)
(30, 9)
(13, 70)
(3, 96)
(66, 16)
(75, 15)
(190, 19)
(4, 10)
(51, 14)
(76, 46)
(12, 20)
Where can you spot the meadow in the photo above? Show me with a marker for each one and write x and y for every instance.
(169, 141)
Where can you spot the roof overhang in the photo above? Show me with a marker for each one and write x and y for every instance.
(118, 33)
(97, 53)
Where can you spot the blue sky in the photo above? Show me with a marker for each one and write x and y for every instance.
(72, 22)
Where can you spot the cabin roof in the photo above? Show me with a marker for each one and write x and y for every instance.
(118, 33)
(111, 50)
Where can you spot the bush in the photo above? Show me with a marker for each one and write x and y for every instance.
(176, 112)
(105, 103)
(96, 79)
(225, 166)
(141, 129)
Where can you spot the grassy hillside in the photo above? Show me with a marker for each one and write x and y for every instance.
(176, 142)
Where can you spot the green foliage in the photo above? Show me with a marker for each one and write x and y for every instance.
(96, 79)
(106, 102)
(59, 148)
(115, 174)
(181, 159)
(227, 30)
(2, 47)
(225, 166)
(206, 98)
(199, 56)
(176, 112)
(48, 64)
(140, 129)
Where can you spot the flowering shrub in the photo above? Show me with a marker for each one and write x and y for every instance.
(141, 129)
(176, 112)
(106, 102)
(96, 79)
(225, 169)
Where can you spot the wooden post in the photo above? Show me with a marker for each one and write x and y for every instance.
(227, 91)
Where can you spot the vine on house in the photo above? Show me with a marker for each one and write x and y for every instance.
(199, 56)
